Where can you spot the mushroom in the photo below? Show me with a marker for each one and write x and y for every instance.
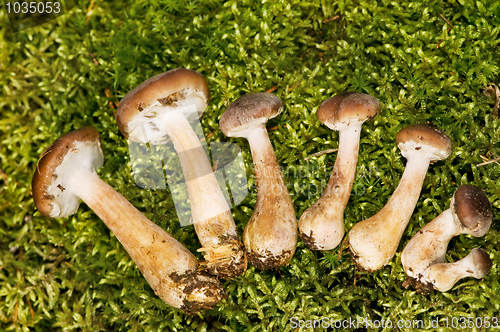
(374, 241)
(66, 173)
(469, 213)
(270, 236)
(162, 106)
(322, 224)
(443, 276)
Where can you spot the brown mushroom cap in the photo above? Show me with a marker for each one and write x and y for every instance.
(346, 108)
(424, 137)
(166, 89)
(473, 209)
(249, 111)
(49, 176)
(482, 262)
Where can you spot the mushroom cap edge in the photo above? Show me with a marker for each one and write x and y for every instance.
(347, 107)
(249, 111)
(51, 158)
(159, 87)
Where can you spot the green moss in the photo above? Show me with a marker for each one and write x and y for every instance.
(71, 274)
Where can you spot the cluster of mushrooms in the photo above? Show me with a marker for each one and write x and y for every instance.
(161, 108)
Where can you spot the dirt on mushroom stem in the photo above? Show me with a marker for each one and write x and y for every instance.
(270, 235)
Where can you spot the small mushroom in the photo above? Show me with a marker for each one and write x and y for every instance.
(322, 224)
(66, 173)
(160, 107)
(443, 276)
(374, 241)
(469, 213)
(270, 235)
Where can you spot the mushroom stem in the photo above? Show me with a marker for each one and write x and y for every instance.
(322, 224)
(144, 240)
(168, 267)
(207, 199)
(211, 214)
(270, 236)
(429, 243)
(374, 241)
(443, 276)
(267, 170)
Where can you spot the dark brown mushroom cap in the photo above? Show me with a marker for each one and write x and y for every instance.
(473, 209)
(45, 176)
(425, 138)
(167, 88)
(346, 108)
(248, 111)
(482, 262)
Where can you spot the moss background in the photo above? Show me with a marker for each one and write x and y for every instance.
(424, 60)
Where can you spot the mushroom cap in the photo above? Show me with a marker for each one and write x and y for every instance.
(248, 112)
(175, 89)
(482, 262)
(347, 108)
(424, 140)
(472, 209)
(83, 147)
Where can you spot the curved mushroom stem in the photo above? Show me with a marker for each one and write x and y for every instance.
(469, 213)
(443, 276)
(322, 224)
(429, 245)
(374, 241)
(270, 235)
(165, 263)
(212, 217)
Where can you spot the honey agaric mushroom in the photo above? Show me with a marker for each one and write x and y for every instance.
(443, 276)
(160, 107)
(66, 173)
(270, 235)
(374, 241)
(469, 213)
(321, 226)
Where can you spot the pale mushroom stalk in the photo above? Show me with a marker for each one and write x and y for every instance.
(444, 276)
(159, 108)
(66, 173)
(374, 241)
(270, 236)
(322, 224)
(278, 238)
(469, 213)
(395, 216)
(211, 213)
(428, 246)
(152, 249)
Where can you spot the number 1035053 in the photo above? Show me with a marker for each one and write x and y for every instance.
(33, 7)
(470, 322)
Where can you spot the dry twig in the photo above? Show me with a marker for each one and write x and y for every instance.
(317, 154)
(486, 161)
(272, 89)
(336, 17)
(448, 22)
